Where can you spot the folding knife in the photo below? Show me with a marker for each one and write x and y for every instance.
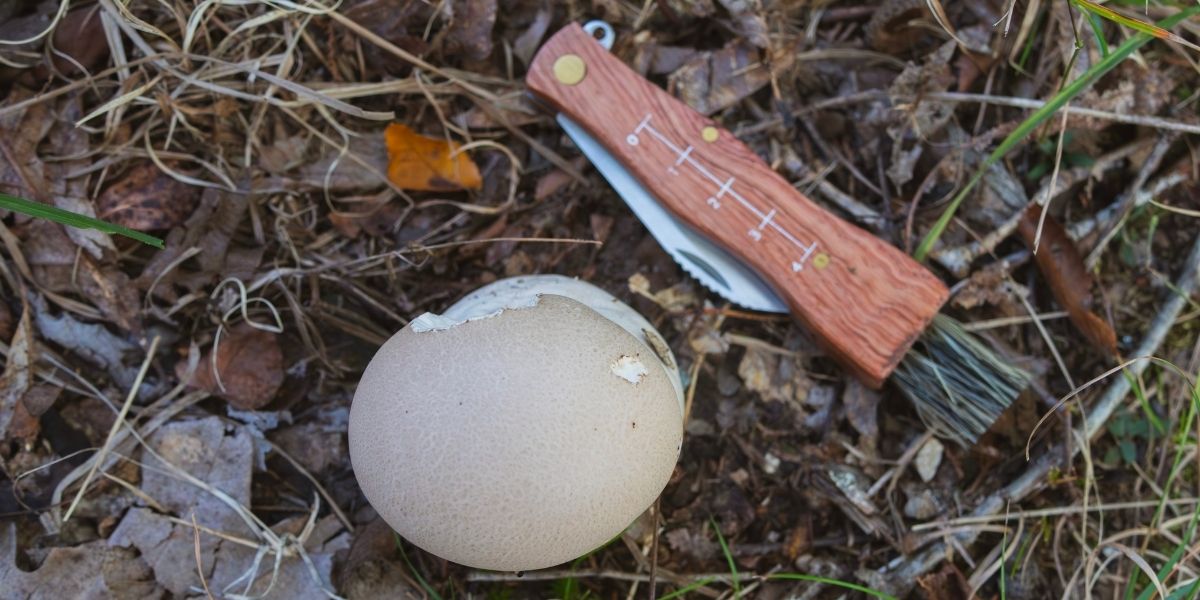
(732, 222)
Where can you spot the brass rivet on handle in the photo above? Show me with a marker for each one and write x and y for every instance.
(821, 260)
(569, 69)
(709, 134)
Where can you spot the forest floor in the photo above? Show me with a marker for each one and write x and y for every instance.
(139, 461)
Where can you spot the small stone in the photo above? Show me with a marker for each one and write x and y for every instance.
(770, 463)
(929, 458)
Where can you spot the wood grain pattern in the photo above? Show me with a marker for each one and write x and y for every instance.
(863, 299)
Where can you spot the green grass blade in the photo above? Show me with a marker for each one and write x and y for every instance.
(1181, 453)
(1038, 117)
(687, 589)
(1098, 31)
(421, 580)
(1030, 42)
(737, 585)
(72, 219)
(1147, 28)
(834, 582)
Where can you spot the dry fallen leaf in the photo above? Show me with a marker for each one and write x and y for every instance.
(470, 30)
(91, 570)
(147, 199)
(250, 364)
(78, 42)
(895, 27)
(18, 371)
(947, 583)
(417, 162)
(1060, 262)
(218, 454)
(717, 79)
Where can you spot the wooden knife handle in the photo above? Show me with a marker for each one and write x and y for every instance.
(865, 300)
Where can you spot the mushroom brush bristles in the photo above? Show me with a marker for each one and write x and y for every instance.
(958, 385)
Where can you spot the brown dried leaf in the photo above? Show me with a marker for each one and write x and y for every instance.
(400, 22)
(896, 27)
(56, 267)
(748, 22)
(372, 568)
(990, 286)
(1062, 265)
(92, 570)
(946, 584)
(527, 43)
(92, 342)
(362, 167)
(111, 291)
(47, 129)
(316, 446)
(757, 370)
(924, 119)
(250, 364)
(71, 193)
(18, 370)
(298, 578)
(471, 30)
(653, 58)
(556, 180)
(508, 111)
(147, 199)
(691, 543)
(79, 36)
(218, 454)
(18, 24)
(602, 225)
(715, 80)
(23, 426)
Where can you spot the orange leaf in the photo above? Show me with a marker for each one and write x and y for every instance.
(416, 162)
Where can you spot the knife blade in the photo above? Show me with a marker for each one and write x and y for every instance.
(715, 268)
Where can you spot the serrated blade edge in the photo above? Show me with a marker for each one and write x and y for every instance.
(712, 266)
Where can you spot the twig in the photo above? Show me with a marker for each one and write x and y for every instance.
(905, 571)
(1112, 213)
(958, 259)
(961, 97)
(1144, 120)
(341, 516)
(406, 56)
(857, 210)
(654, 551)
(1052, 512)
(199, 562)
(116, 426)
(1132, 198)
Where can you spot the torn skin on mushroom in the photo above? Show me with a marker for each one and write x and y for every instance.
(630, 369)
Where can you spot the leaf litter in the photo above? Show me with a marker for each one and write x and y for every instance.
(301, 231)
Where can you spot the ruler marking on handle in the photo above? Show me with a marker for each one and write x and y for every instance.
(767, 219)
(684, 156)
(724, 188)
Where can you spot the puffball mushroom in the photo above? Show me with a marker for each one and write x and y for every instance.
(526, 426)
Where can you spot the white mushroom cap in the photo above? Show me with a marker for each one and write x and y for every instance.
(516, 438)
